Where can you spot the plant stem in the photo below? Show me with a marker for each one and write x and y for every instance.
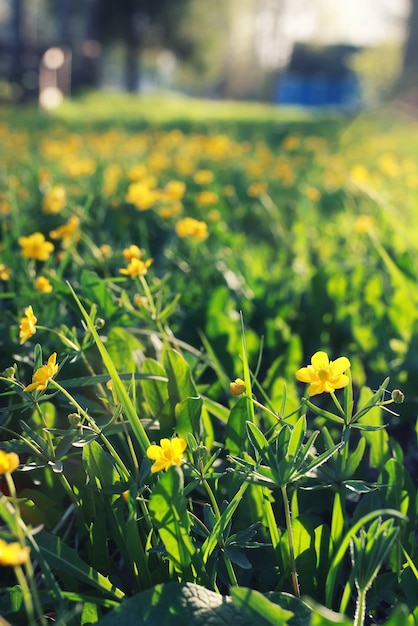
(30, 593)
(360, 608)
(96, 429)
(294, 573)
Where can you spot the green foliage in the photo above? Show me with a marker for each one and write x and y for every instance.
(256, 519)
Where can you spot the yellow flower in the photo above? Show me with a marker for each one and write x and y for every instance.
(256, 189)
(13, 553)
(36, 247)
(202, 177)
(43, 285)
(67, 231)
(27, 326)
(189, 227)
(323, 374)
(4, 272)
(9, 461)
(106, 250)
(237, 387)
(174, 190)
(168, 453)
(133, 252)
(142, 195)
(313, 194)
(205, 198)
(364, 224)
(136, 267)
(43, 375)
(54, 200)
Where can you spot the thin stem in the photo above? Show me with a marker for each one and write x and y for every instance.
(30, 592)
(95, 428)
(228, 564)
(27, 596)
(360, 608)
(288, 519)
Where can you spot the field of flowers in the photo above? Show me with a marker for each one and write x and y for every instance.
(209, 365)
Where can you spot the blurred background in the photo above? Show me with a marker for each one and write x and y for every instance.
(341, 53)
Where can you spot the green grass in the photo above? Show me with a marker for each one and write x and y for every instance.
(304, 241)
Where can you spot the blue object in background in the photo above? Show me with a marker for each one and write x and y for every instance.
(319, 90)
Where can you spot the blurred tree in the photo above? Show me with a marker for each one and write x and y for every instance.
(137, 23)
(408, 80)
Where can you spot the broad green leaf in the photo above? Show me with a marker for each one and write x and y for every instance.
(176, 604)
(236, 432)
(155, 391)
(180, 384)
(100, 466)
(304, 549)
(323, 550)
(322, 616)
(122, 347)
(97, 291)
(168, 510)
(188, 417)
(258, 608)
(66, 560)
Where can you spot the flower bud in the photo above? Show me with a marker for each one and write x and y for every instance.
(9, 372)
(99, 323)
(237, 387)
(74, 419)
(397, 396)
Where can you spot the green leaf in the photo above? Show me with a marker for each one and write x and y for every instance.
(260, 445)
(296, 438)
(123, 397)
(260, 610)
(236, 433)
(100, 467)
(168, 510)
(65, 559)
(174, 604)
(180, 384)
(354, 458)
(188, 417)
(122, 347)
(155, 391)
(335, 568)
(322, 616)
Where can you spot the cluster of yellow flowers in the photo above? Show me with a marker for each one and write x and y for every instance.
(136, 265)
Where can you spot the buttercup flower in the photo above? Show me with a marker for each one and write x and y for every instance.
(323, 374)
(43, 375)
(13, 553)
(36, 247)
(54, 200)
(27, 327)
(68, 231)
(9, 461)
(237, 387)
(43, 285)
(4, 272)
(136, 267)
(168, 453)
(189, 227)
(132, 252)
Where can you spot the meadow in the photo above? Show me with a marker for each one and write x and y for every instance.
(208, 405)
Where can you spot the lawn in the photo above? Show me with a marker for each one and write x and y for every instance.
(208, 364)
